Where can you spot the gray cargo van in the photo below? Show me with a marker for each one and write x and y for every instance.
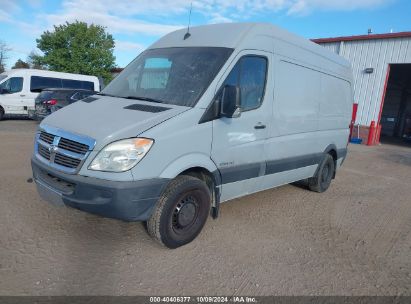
(196, 120)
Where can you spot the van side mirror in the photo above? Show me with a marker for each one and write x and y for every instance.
(230, 102)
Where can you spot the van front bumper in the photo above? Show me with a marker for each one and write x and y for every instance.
(129, 201)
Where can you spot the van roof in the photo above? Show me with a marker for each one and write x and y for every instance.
(67, 89)
(212, 35)
(233, 35)
(45, 73)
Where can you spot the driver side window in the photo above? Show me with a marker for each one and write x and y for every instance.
(12, 85)
(249, 74)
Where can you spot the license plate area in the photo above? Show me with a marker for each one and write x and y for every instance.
(48, 194)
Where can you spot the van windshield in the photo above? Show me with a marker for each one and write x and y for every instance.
(176, 76)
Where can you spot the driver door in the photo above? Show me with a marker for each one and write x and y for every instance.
(238, 143)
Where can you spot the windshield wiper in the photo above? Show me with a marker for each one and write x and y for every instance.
(103, 94)
(144, 98)
(134, 97)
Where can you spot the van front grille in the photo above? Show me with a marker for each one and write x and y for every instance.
(62, 150)
(73, 146)
(66, 161)
(46, 137)
(44, 152)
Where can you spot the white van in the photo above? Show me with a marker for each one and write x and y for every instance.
(20, 87)
(195, 120)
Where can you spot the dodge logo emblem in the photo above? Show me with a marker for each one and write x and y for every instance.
(53, 149)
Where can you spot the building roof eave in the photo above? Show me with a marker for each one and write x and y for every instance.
(363, 37)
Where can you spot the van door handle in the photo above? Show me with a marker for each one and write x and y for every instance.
(22, 95)
(259, 126)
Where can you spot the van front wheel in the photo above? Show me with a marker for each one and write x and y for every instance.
(181, 212)
(322, 180)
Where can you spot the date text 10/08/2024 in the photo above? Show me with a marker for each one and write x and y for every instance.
(203, 299)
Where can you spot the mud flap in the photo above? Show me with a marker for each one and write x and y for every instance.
(215, 209)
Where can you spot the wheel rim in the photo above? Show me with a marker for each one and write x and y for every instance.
(326, 174)
(185, 213)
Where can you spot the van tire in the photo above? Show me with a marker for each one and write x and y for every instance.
(181, 212)
(1, 113)
(325, 173)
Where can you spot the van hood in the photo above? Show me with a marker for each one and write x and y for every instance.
(107, 119)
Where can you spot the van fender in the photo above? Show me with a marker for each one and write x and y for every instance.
(197, 160)
(326, 151)
(189, 161)
(329, 148)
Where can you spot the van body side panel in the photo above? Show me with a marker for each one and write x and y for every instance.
(335, 103)
(313, 59)
(310, 113)
(291, 151)
(335, 111)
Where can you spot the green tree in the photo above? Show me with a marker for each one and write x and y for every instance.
(33, 59)
(77, 48)
(20, 64)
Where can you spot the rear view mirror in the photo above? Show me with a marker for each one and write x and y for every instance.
(230, 101)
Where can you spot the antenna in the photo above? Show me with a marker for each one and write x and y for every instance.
(187, 35)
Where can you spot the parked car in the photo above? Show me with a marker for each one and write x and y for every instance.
(196, 120)
(20, 87)
(51, 100)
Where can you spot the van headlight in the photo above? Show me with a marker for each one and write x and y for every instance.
(121, 155)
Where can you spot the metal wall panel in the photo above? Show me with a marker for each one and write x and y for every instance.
(377, 54)
(333, 46)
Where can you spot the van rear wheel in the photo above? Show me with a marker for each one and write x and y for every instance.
(1, 113)
(325, 173)
(181, 212)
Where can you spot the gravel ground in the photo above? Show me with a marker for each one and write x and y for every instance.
(352, 240)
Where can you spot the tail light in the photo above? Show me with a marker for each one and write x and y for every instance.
(51, 102)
